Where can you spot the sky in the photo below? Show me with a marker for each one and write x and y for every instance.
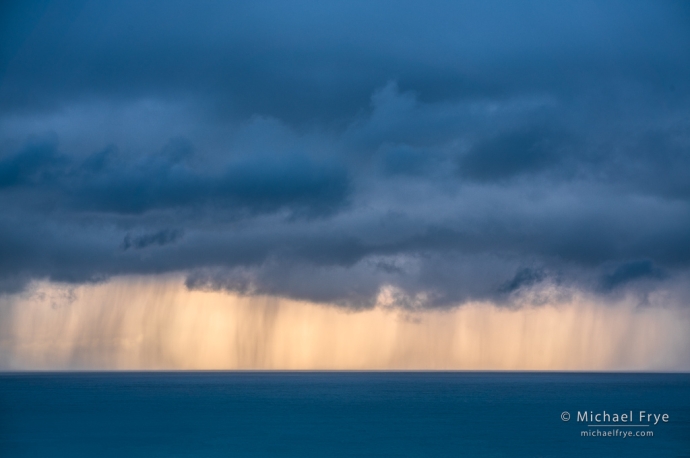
(363, 159)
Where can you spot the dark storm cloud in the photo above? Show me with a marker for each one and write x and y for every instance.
(160, 238)
(524, 277)
(104, 183)
(37, 163)
(631, 271)
(309, 60)
(509, 155)
(440, 152)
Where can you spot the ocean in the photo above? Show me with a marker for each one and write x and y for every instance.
(344, 414)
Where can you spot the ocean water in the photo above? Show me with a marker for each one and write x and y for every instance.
(339, 414)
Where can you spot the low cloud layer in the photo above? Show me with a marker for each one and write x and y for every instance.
(446, 154)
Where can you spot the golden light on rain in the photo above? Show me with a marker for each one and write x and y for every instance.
(157, 323)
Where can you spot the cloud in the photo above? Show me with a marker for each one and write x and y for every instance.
(37, 163)
(509, 155)
(631, 271)
(444, 154)
(310, 62)
(102, 183)
(160, 238)
(524, 277)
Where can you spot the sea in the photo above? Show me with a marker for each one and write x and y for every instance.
(344, 414)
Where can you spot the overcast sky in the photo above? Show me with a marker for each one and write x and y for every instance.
(447, 151)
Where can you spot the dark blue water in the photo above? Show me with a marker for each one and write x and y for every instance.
(230, 414)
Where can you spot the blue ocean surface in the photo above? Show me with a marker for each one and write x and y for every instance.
(339, 414)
